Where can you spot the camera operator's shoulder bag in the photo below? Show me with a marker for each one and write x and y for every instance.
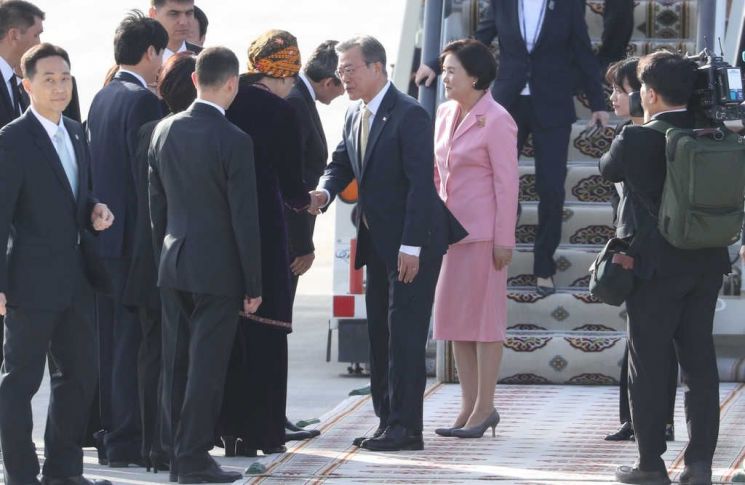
(702, 200)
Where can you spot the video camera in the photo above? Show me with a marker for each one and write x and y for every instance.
(718, 92)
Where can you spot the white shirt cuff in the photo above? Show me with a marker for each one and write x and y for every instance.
(328, 197)
(411, 250)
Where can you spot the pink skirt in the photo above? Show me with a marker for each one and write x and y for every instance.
(471, 296)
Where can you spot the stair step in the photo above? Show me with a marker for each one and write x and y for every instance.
(564, 311)
(587, 144)
(571, 267)
(584, 224)
(583, 184)
(562, 358)
(652, 19)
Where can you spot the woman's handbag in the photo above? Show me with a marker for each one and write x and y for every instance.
(612, 273)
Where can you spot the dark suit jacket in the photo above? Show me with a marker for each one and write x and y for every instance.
(141, 287)
(314, 157)
(563, 44)
(203, 205)
(114, 120)
(42, 269)
(396, 184)
(637, 158)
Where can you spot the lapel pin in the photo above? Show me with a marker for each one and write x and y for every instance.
(481, 121)
(77, 137)
(385, 118)
(551, 4)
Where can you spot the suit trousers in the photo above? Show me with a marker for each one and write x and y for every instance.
(69, 338)
(198, 335)
(149, 381)
(120, 336)
(680, 311)
(624, 407)
(550, 145)
(398, 319)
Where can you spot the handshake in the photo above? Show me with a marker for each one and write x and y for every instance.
(318, 200)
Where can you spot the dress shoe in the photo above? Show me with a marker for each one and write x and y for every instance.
(136, 463)
(242, 450)
(358, 441)
(628, 474)
(289, 425)
(696, 474)
(669, 432)
(156, 463)
(229, 444)
(545, 286)
(79, 480)
(395, 438)
(624, 433)
(100, 447)
(214, 474)
(446, 432)
(478, 431)
(297, 435)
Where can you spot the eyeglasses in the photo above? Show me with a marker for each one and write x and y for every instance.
(348, 71)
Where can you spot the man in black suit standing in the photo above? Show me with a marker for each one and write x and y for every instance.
(177, 17)
(677, 289)
(403, 231)
(116, 115)
(206, 232)
(317, 82)
(541, 43)
(46, 279)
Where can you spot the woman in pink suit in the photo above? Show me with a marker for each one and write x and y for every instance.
(476, 176)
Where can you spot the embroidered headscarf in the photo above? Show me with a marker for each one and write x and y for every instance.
(274, 53)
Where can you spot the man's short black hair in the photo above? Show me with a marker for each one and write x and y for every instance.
(215, 66)
(323, 63)
(17, 14)
(202, 19)
(672, 76)
(624, 71)
(476, 59)
(160, 3)
(32, 56)
(135, 35)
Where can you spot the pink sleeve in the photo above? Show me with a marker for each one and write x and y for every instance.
(502, 149)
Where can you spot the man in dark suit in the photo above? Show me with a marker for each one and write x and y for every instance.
(403, 231)
(46, 279)
(116, 115)
(203, 207)
(318, 82)
(676, 292)
(541, 43)
(177, 17)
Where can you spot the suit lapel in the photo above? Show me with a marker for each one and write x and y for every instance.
(77, 144)
(547, 15)
(474, 117)
(313, 111)
(6, 96)
(41, 138)
(514, 15)
(379, 123)
(353, 145)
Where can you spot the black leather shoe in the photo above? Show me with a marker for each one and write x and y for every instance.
(696, 474)
(173, 472)
(358, 441)
(135, 463)
(624, 433)
(156, 463)
(395, 438)
(543, 290)
(79, 480)
(297, 435)
(669, 432)
(289, 425)
(213, 474)
(100, 447)
(628, 474)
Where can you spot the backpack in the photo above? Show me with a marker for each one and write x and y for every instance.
(704, 192)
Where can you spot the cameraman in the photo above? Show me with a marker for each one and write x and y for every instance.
(676, 290)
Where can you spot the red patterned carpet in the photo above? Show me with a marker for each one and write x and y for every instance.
(548, 434)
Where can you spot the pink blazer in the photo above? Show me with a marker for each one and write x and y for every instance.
(476, 170)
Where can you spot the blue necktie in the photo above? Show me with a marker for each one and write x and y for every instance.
(68, 161)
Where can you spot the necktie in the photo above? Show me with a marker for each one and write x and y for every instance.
(364, 133)
(68, 162)
(17, 103)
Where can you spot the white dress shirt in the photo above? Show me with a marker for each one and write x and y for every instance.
(210, 103)
(168, 53)
(373, 106)
(137, 76)
(51, 128)
(308, 85)
(7, 73)
(535, 12)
